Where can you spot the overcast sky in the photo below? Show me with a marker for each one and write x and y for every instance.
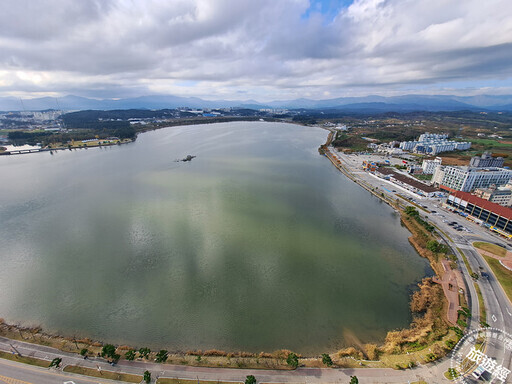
(255, 49)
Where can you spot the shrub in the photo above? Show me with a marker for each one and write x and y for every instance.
(130, 355)
(144, 352)
(161, 357)
(292, 360)
(108, 350)
(326, 359)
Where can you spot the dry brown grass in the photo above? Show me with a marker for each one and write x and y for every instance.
(428, 324)
(372, 351)
(350, 352)
(103, 374)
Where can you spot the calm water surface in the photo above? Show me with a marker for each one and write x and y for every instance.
(257, 244)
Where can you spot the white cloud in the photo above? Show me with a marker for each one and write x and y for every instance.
(245, 49)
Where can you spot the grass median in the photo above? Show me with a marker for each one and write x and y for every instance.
(103, 374)
(503, 275)
(492, 248)
(25, 359)
(164, 380)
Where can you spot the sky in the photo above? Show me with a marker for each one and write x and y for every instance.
(260, 50)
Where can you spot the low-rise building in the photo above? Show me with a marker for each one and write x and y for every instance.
(489, 213)
(406, 182)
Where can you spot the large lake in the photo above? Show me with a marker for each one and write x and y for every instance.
(259, 243)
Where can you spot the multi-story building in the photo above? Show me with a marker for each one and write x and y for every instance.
(498, 195)
(429, 166)
(466, 178)
(486, 160)
(433, 144)
(432, 136)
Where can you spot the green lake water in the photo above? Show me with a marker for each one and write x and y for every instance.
(257, 244)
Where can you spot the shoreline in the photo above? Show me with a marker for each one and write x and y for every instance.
(190, 357)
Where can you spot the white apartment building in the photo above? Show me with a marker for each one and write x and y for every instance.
(433, 144)
(429, 166)
(467, 179)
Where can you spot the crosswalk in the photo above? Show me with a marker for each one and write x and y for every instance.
(10, 380)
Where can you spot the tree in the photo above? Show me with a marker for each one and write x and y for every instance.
(353, 380)
(147, 376)
(108, 350)
(433, 246)
(55, 362)
(250, 379)
(411, 211)
(161, 357)
(144, 352)
(326, 359)
(83, 352)
(292, 360)
(130, 355)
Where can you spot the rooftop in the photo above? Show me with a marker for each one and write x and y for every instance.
(485, 204)
(406, 180)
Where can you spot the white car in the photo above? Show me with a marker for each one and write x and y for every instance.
(478, 372)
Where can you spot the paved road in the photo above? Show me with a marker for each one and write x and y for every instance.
(430, 373)
(16, 373)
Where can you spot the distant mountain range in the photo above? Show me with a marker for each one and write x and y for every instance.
(404, 103)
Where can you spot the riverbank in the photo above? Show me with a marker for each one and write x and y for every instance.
(83, 144)
(430, 326)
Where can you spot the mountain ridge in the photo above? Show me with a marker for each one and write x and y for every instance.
(402, 103)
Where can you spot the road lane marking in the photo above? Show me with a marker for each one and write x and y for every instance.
(510, 314)
(10, 380)
(494, 318)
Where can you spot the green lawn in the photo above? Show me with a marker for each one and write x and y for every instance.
(493, 248)
(481, 305)
(494, 143)
(503, 275)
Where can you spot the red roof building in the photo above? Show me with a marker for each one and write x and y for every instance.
(488, 212)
